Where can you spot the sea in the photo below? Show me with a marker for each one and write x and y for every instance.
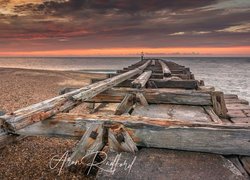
(227, 74)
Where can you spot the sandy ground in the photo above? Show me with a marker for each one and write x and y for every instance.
(30, 157)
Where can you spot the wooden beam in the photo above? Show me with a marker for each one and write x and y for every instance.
(165, 69)
(126, 105)
(186, 84)
(141, 81)
(154, 96)
(245, 160)
(119, 140)
(158, 133)
(43, 110)
(108, 83)
(209, 110)
(91, 142)
(160, 83)
(141, 99)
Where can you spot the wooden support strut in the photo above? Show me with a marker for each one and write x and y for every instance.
(126, 105)
(91, 142)
(43, 110)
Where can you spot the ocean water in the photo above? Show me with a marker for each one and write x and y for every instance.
(230, 75)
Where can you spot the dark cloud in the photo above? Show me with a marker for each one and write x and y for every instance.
(125, 6)
(125, 23)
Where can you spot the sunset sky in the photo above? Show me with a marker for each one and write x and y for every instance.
(124, 27)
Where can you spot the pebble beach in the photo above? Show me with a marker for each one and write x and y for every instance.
(29, 158)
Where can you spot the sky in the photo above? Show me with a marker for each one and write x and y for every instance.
(124, 27)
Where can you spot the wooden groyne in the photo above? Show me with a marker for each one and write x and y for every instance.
(152, 103)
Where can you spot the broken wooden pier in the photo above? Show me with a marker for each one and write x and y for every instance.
(152, 104)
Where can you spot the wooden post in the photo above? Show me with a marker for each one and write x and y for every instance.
(141, 81)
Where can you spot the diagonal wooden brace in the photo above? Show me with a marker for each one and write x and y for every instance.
(91, 142)
(119, 140)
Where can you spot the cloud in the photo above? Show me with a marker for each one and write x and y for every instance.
(59, 24)
(243, 28)
(177, 34)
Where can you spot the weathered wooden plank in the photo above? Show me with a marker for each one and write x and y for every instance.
(206, 88)
(170, 111)
(43, 110)
(126, 105)
(165, 69)
(164, 133)
(241, 120)
(157, 71)
(160, 83)
(237, 107)
(154, 96)
(108, 83)
(91, 142)
(157, 75)
(120, 141)
(98, 107)
(153, 63)
(141, 99)
(245, 160)
(230, 96)
(247, 112)
(237, 163)
(186, 84)
(212, 114)
(236, 114)
(141, 81)
(236, 101)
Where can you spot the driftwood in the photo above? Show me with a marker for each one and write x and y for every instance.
(150, 132)
(141, 81)
(48, 108)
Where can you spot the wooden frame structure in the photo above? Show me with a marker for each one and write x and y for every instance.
(143, 84)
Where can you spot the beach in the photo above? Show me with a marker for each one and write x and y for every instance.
(30, 156)
(20, 88)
